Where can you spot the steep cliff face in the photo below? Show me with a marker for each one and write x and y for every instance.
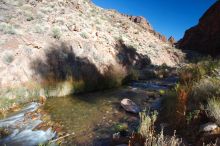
(204, 37)
(44, 40)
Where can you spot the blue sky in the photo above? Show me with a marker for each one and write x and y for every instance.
(169, 17)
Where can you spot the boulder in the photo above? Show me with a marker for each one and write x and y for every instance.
(162, 38)
(130, 106)
(208, 127)
(141, 21)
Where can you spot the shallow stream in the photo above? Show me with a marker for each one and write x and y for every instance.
(90, 119)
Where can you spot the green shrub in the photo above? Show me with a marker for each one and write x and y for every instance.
(195, 72)
(162, 92)
(214, 109)
(38, 29)
(190, 74)
(60, 20)
(169, 103)
(148, 137)
(204, 89)
(208, 66)
(121, 127)
(7, 28)
(84, 35)
(29, 17)
(56, 32)
(46, 10)
(200, 82)
(183, 107)
(191, 116)
(8, 58)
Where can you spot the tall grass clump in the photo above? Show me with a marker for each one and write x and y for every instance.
(174, 106)
(132, 75)
(200, 81)
(146, 127)
(204, 89)
(147, 136)
(213, 108)
(169, 104)
(195, 72)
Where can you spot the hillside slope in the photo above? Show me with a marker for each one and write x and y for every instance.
(46, 40)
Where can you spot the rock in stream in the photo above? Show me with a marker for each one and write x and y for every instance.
(130, 106)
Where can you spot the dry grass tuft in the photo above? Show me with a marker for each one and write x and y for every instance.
(214, 109)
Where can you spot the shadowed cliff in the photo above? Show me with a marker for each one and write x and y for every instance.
(204, 37)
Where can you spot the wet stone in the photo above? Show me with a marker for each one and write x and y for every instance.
(208, 127)
(130, 106)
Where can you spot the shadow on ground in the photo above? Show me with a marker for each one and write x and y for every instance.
(129, 57)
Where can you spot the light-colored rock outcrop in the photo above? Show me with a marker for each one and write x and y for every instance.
(44, 39)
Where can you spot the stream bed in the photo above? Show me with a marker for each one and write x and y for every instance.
(88, 119)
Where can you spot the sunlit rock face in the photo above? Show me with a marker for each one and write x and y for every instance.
(204, 37)
(44, 41)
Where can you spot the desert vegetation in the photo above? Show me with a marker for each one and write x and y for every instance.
(147, 136)
(7, 28)
(194, 100)
(213, 109)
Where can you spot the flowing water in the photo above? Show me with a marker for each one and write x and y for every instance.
(92, 118)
